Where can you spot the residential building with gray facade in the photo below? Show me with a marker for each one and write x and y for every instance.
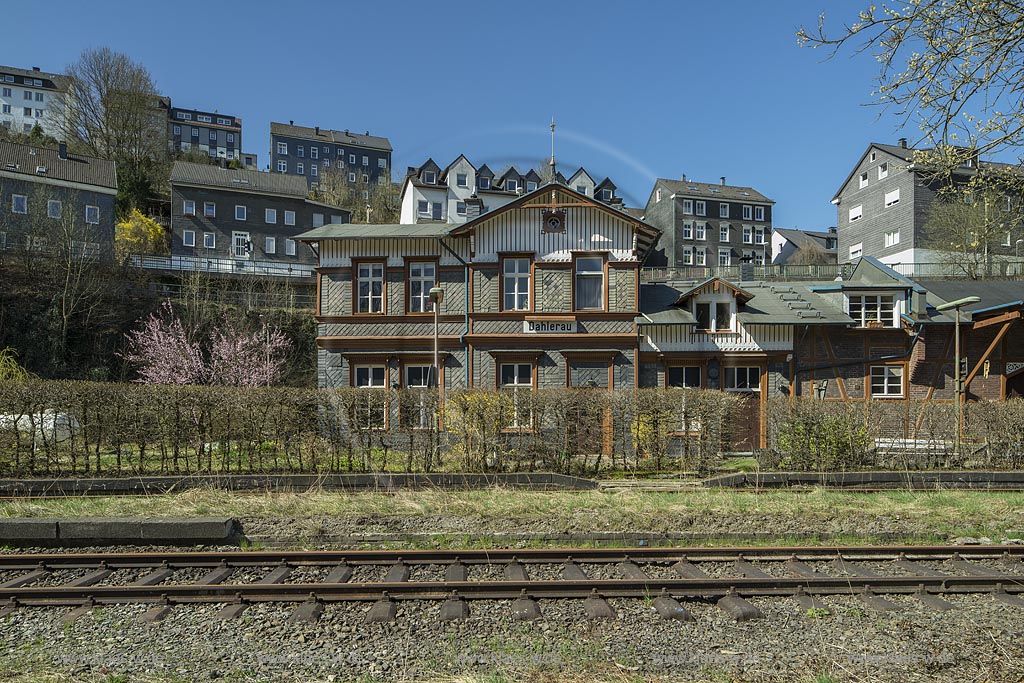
(218, 135)
(709, 224)
(313, 153)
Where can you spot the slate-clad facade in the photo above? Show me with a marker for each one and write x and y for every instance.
(314, 152)
(709, 224)
(48, 194)
(218, 135)
(242, 215)
(530, 304)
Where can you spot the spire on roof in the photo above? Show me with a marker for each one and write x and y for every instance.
(554, 174)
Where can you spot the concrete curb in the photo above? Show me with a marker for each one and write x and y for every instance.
(926, 480)
(119, 531)
(114, 486)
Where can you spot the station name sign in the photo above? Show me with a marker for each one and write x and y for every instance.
(549, 327)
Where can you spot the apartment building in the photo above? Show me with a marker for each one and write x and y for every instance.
(312, 153)
(218, 135)
(30, 97)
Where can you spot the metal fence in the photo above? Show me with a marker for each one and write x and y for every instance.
(992, 270)
(225, 266)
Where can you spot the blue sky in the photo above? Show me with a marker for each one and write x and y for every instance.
(638, 89)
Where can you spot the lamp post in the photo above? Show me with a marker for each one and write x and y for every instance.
(958, 389)
(1016, 248)
(436, 296)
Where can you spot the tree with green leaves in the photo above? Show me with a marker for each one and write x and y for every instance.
(955, 68)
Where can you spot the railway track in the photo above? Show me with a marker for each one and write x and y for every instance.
(668, 577)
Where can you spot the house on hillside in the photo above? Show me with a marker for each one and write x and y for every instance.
(358, 159)
(460, 191)
(52, 199)
(803, 247)
(883, 205)
(218, 135)
(709, 224)
(30, 97)
(237, 221)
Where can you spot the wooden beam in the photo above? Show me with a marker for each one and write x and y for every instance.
(988, 352)
(835, 371)
(1005, 317)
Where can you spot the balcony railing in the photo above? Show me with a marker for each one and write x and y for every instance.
(226, 266)
(995, 269)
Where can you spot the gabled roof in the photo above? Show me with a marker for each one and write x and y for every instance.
(485, 171)
(339, 137)
(645, 240)
(606, 183)
(576, 175)
(714, 285)
(56, 81)
(357, 231)
(803, 239)
(26, 161)
(238, 180)
(658, 306)
(995, 295)
(449, 166)
(688, 188)
(510, 173)
(905, 154)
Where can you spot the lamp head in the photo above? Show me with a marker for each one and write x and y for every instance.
(436, 295)
(966, 301)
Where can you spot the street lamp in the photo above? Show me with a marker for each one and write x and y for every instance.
(436, 296)
(1016, 248)
(958, 389)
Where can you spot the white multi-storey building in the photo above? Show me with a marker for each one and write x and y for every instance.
(29, 97)
(461, 191)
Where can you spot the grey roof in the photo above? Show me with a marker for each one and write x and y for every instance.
(239, 180)
(359, 231)
(657, 306)
(688, 188)
(26, 160)
(635, 212)
(807, 238)
(60, 81)
(994, 294)
(339, 137)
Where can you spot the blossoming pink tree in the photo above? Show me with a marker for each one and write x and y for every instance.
(165, 353)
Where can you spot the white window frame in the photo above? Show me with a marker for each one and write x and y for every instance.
(888, 379)
(300, 168)
(188, 207)
(688, 256)
(864, 308)
(856, 213)
(724, 257)
(683, 371)
(270, 244)
(423, 414)
(892, 198)
(270, 216)
(94, 212)
(54, 207)
(188, 238)
(515, 283)
(732, 375)
(724, 232)
(313, 171)
(687, 230)
(748, 212)
(241, 212)
(892, 238)
(282, 148)
(688, 207)
(460, 208)
(700, 230)
(289, 217)
(856, 250)
(723, 210)
(518, 382)
(282, 166)
(748, 234)
(714, 302)
(461, 180)
(422, 276)
(300, 151)
(758, 213)
(883, 170)
(317, 220)
(209, 240)
(372, 378)
(370, 273)
(382, 163)
(863, 180)
(700, 256)
(700, 207)
(314, 152)
(583, 268)
(289, 247)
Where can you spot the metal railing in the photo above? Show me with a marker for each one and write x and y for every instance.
(225, 266)
(995, 269)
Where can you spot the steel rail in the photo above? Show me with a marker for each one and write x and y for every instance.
(178, 560)
(704, 588)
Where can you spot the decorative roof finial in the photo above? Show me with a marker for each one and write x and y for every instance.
(554, 175)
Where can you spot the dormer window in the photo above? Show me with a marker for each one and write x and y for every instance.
(530, 186)
(606, 195)
(511, 185)
(430, 177)
(872, 310)
(582, 189)
(714, 314)
(461, 180)
(484, 183)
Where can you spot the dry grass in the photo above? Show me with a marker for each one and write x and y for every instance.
(943, 512)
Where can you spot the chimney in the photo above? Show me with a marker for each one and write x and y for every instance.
(318, 130)
(682, 177)
(62, 150)
(291, 123)
(722, 179)
(902, 143)
(35, 68)
(474, 207)
(367, 133)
